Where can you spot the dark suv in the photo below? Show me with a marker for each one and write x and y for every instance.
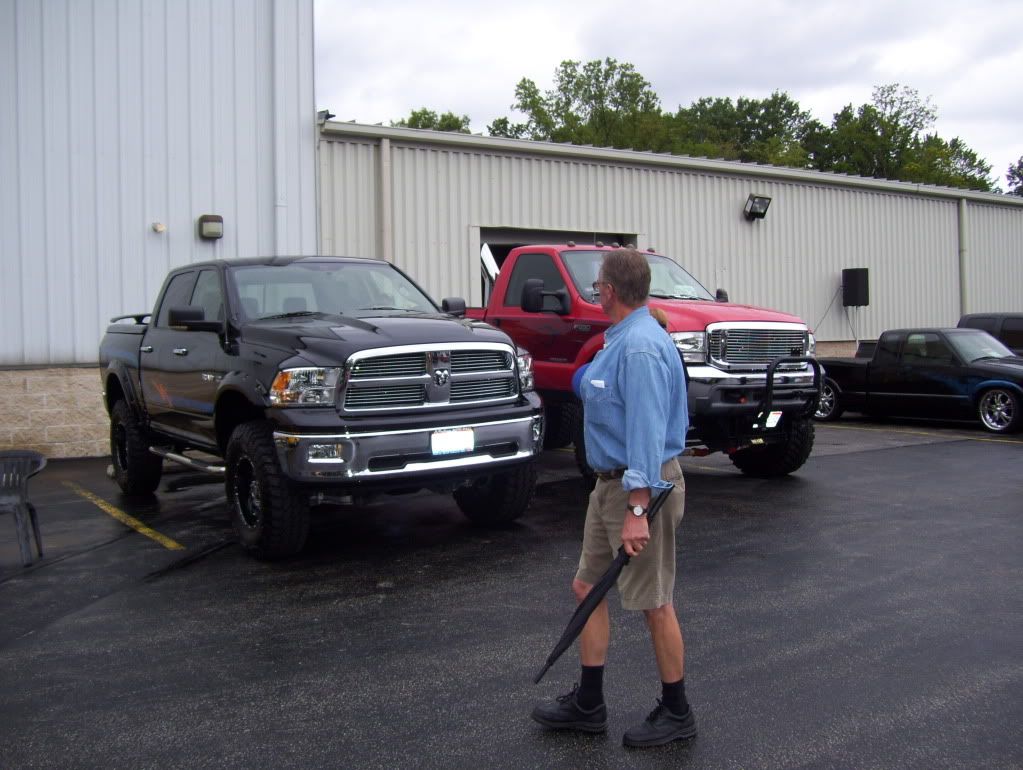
(1006, 327)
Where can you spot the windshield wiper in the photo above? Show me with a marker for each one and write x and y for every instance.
(678, 296)
(293, 314)
(383, 307)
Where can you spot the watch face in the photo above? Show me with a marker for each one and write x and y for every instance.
(638, 510)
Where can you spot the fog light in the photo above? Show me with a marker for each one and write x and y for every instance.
(537, 429)
(326, 453)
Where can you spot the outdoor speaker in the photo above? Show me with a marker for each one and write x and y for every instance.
(855, 287)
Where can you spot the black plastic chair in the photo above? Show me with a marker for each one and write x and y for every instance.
(16, 468)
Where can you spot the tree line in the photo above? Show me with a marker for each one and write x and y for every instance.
(609, 104)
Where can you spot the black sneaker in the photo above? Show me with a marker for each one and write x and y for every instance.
(662, 726)
(566, 714)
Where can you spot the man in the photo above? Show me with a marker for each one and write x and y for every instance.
(634, 400)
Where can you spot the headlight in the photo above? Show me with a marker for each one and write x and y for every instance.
(811, 344)
(692, 346)
(305, 387)
(524, 365)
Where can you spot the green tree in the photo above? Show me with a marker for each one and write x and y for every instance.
(952, 164)
(603, 103)
(1014, 177)
(428, 119)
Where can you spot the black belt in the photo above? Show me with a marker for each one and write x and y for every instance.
(611, 475)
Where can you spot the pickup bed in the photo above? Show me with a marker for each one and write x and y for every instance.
(303, 379)
(934, 373)
(752, 381)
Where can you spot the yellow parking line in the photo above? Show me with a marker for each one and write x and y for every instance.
(124, 518)
(920, 433)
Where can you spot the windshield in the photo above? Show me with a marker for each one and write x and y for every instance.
(338, 288)
(668, 280)
(974, 345)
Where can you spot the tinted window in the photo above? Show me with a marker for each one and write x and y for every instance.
(534, 266)
(208, 296)
(178, 294)
(926, 349)
(888, 349)
(985, 322)
(1012, 332)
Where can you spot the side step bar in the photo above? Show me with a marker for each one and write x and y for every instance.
(191, 462)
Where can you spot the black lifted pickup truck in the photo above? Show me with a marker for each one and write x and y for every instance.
(314, 378)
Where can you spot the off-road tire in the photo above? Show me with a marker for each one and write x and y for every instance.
(999, 410)
(561, 420)
(500, 498)
(270, 516)
(779, 459)
(137, 471)
(579, 446)
(829, 408)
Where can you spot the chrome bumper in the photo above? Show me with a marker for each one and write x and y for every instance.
(406, 454)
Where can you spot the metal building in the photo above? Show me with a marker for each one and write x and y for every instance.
(121, 124)
(428, 200)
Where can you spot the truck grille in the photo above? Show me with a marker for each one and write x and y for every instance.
(424, 376)
(754, 348)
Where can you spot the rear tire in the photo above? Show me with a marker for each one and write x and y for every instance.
(500, 498)
(999, 410)
(137, 471)
(778, 459)
(270, 516)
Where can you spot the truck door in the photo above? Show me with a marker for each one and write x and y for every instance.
(195, 364)
(931, 378)
(156, 388)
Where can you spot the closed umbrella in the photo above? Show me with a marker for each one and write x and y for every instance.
(597, 593)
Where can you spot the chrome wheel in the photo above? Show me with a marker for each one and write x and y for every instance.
(998, 410)
(827, 407)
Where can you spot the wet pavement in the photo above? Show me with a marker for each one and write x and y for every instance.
(866, 612)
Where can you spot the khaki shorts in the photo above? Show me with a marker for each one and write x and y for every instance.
(648, 580)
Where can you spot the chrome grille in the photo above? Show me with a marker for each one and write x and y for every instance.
(480, 360)
(407, 365)
(754, 348)
(427, 376)
(482, 389)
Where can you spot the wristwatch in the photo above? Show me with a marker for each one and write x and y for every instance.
(637, 510)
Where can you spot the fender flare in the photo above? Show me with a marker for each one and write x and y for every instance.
(994, 383)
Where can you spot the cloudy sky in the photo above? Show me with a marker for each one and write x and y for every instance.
(376, 62)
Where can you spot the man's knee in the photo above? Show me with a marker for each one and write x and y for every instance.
(659, 616)
(581, 589)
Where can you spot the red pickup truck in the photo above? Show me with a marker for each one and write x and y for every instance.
(753, 382)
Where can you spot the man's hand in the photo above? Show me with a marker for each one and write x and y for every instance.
(635, 534)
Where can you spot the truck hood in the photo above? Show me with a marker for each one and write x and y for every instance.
(1011, 367)
(327, 340)
(690, 315)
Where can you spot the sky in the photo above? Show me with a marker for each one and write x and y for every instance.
(376, 62)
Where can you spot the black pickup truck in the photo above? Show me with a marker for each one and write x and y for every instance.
(313, 378)
(935, 373)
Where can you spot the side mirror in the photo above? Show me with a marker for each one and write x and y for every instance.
(192, 319)
(453, 305)
(721, 296)
(533, 294)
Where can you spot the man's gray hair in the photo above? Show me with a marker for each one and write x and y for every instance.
(629, 272)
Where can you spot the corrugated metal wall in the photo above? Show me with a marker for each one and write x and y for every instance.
(118, 115)
(442, 190)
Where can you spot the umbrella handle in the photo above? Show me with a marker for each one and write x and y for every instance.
(659, 499)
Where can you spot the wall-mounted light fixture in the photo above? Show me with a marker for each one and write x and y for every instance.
(211, 227)
(756, 206)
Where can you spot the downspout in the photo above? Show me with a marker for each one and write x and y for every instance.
(963, 254)
(279, 160)
(386, 203)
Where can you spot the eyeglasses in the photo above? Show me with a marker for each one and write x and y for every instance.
(598, 284)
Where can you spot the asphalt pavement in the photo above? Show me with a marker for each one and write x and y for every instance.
(865, 612)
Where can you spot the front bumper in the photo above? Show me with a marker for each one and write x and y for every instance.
(405, 454)
(715, 394)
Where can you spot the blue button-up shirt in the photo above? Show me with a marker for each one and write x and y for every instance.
(634, 400)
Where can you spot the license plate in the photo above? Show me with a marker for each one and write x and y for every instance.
(448, 442)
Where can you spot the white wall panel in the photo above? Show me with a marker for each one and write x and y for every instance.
(122, 114)
(444, 186)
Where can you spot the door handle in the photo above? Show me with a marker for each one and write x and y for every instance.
(181, 351)
(146, 349)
